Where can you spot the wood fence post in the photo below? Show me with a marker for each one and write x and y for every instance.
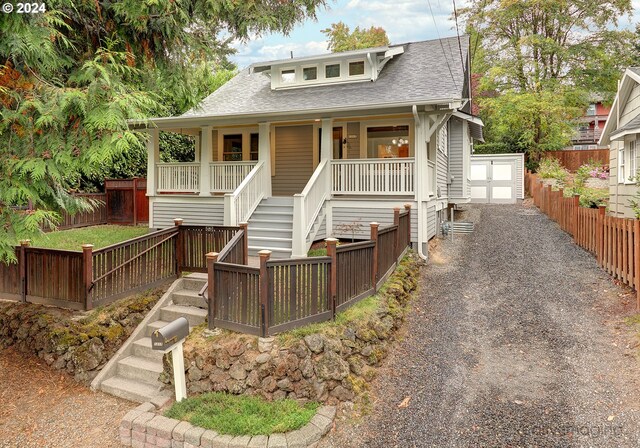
(547, 200)
(179, 247)
(396, 239)
(264, 292)
(374, 272)
(333, 285)
(23, 268)
(636, 258)
(407, 207)
(87, 274)
(212, 257)
(602, 210)
(245, 243)
(135, 205)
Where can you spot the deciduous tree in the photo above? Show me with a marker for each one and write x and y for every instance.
(342, 39)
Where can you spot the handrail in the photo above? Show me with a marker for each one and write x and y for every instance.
(171, 229)
(230, 245)
(308, 204)
(239, 205)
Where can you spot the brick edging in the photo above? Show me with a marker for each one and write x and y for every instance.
(143, 428)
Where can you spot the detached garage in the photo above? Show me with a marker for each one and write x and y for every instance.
(497, 178)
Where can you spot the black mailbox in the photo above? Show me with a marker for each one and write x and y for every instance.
(173, 332)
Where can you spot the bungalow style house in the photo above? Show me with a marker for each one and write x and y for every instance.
(312, 147)
(621, 132)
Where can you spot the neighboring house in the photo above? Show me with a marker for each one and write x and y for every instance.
(590, 126)
(621, 132)
(307, 148)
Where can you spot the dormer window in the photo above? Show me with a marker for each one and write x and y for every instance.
(332, 71)
(356, 68)
(288, 76)
(310, 73)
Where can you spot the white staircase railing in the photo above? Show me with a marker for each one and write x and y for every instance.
(178, 177)
(226, 176)
(239, 205)
(307, 205)
(373, 176)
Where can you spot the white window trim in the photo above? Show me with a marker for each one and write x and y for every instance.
(631, 161)
(309, 81)
(364, 74)
(286, 69)
(324, 71)
(246, 132)
(621, 163)
(364, 143)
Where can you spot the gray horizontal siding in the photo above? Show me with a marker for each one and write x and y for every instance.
(344, 217)
(432, 222)
(456, 157)
(442, 161)
(193, 213)
(353, 128)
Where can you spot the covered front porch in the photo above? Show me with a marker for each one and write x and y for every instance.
(310, 162)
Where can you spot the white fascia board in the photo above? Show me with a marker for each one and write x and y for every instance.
(612, 120)
(620, 136)
(469, 118)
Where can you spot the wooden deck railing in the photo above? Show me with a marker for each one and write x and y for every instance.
(373, 176)
(285, 294)
(615, 242)
(85, 279)
(178, 177)
(226, 176)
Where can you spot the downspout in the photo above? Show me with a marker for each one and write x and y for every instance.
(419, 182)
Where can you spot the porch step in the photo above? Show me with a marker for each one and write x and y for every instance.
(262, 213)
(194, 282)
(275, 232)
(189, 297)
(257, 240)
(140, 369)
(270, 224)
(277, 208)
(132, 390)
(280, 200)
(276, 252)
(195, 316)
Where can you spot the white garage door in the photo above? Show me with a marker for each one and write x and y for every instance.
(494, 180)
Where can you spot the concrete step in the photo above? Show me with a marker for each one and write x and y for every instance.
(142, 348)
(193, 282)
(264, 223)
(195, 316)
(140, 369)
(189, 297)
(132, 390)
(276, 252)
(153, 326)
(277, 233)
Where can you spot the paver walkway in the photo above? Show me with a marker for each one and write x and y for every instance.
(516, 340)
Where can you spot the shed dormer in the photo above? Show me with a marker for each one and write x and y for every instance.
(334, 68)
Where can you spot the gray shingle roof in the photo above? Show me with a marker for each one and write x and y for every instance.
(631, 125)
(426, 71)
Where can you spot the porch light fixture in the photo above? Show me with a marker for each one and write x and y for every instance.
(400, 141)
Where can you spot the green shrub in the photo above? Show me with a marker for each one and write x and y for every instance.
(593, 197)
(551, 168)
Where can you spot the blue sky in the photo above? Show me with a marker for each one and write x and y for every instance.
(404, 21)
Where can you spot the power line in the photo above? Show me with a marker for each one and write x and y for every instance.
(444, 53)
(455, 15)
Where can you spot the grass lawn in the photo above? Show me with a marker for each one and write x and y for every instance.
(238, 415)
(99, 236)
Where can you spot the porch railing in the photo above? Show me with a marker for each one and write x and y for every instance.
(226, 176)
(239, 205)
(307, 205)
(373, 176)
(179, 177)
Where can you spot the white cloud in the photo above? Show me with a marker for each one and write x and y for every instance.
(260, 51)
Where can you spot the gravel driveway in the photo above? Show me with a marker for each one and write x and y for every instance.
(516, 340)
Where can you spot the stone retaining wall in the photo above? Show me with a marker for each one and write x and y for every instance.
(143, 428)
(78, 343)
(330, 366)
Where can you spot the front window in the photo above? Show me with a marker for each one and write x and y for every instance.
(621, 170)
(332, 71)
(388, 141)
(632, 161)
(232, 148)
(288, 76)
(254, 147)
(356, 68)
(310, 73)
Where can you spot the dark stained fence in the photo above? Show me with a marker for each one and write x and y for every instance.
(197, 241)
(237, 293)
(133, 265)
(298, 293)
(51, 277)
(10, 280)
(404, 233)
(94, 217)
(236, 250)
(386, 253)
(354, 273)
(127, 202)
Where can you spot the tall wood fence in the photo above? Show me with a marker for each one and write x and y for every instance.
(613, 241)
(284, 294)
(94, 217)
(573, 159)
(84, 280)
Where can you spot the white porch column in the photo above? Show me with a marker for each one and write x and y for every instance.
(153, 157)
(264, 154)
(326, 149)
(205, 158)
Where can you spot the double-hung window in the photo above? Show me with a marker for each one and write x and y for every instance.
(632, 168)
(621, 170)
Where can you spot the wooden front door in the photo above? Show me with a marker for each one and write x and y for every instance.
(294, 159)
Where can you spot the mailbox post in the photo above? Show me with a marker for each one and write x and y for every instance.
(169, 339)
